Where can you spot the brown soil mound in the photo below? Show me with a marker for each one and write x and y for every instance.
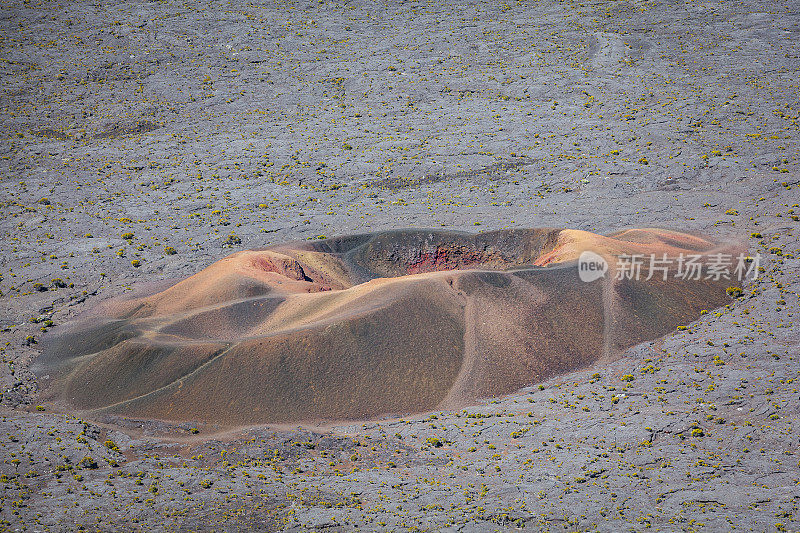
(368, 325)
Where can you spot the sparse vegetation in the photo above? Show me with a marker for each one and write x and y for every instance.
(734, 292)
(141, 138)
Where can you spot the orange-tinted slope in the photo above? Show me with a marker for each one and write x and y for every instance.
(368, 325)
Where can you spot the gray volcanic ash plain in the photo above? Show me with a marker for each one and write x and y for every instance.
(146, 142)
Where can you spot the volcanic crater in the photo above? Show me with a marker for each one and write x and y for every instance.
(370, 325)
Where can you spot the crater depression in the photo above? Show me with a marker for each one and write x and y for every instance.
(368, 325)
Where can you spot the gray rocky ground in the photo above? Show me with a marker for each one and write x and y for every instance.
(186, 123)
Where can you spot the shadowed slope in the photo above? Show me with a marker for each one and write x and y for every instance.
(367, 325)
